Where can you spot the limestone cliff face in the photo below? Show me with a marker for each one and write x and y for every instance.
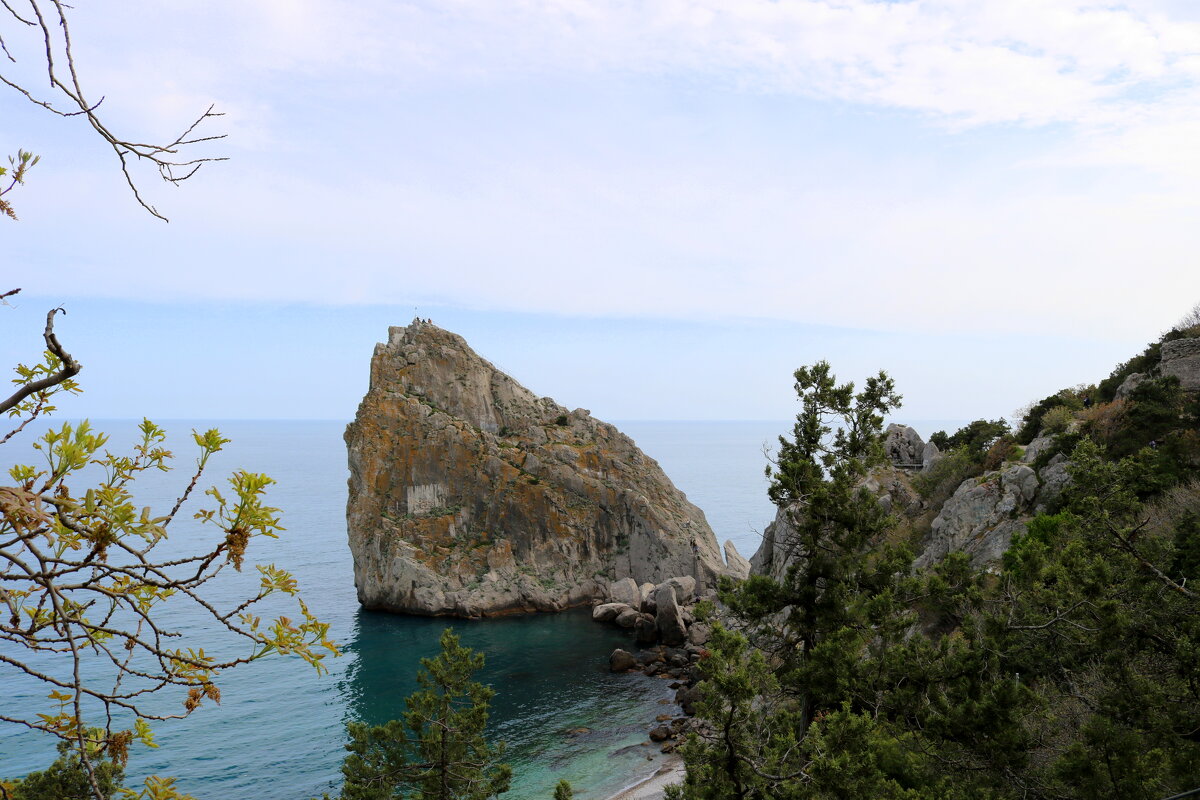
(470, 495)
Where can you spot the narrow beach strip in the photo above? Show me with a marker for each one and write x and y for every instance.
(652, 787)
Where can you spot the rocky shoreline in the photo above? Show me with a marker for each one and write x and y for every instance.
(671, 642)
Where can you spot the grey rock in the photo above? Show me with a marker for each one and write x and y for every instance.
(930, 456)
(645, 629)
(627, 618)
(738, 566)
(1054, 478)
(625, 591)
(982, 516)
(1181, 359)
(1035, 448)
(671, 628)
(660, 733)
(1130, 383)
(687, 697)
(699, 634)
(775, 554)
(646, 590)
(903, 445)
(621, 660)
(685, 588)
(607, 612)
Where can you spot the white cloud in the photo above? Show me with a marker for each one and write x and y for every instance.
(556, 206)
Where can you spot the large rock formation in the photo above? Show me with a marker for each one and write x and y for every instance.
(470, 495)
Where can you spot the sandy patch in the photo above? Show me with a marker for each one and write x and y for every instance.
(651, 788)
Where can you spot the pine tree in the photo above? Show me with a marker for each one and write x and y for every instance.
(438, 751)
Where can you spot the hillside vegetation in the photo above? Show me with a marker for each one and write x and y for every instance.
(1070, 668)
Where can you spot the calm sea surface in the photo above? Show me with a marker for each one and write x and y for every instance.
(279, 731)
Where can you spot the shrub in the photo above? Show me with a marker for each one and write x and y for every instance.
(1001, 450)
(1031, 418)
(976, 437)
(939, 482)
(1057, 420)
(561, 420)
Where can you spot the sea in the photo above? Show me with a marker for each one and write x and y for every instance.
(279, 730)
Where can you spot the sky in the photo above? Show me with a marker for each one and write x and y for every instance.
(650, 210)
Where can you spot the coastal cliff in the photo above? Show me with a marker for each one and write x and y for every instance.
(469, 495)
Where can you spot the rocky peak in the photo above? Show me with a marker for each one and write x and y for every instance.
(470, 495)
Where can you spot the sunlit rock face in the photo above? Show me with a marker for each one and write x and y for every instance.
(472, 496)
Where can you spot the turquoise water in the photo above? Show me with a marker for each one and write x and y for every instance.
(279, 731)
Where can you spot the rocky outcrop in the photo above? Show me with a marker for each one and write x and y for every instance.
(982, 516)
(469, 495)
(738, 566)
(1181, 359)
(904, 446)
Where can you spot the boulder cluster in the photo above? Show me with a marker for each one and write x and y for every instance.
(657, 614)
(671, 641)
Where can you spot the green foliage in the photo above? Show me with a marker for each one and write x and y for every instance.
(1147, 361)
(438, 751)
(1056, 420)
(816, 451)
(937, 483)
(67, 778)
(975, 437)
(562, 420)
(1071, 671)
(737, 688)
(96, 610)
(1033, 420)
(563, 791)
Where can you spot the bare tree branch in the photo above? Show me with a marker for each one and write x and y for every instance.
(50, 20)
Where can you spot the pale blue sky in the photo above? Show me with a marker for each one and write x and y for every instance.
(653, 211)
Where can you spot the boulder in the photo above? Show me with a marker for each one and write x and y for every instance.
(647, 592)
(607, 612)
(685, 588)
(1131, 382)
(621, 660)
(1035, 448)
(627, 618)
(671, 628)
(458, 474)
(625, 591)
(660, 733)
(699, 633)
(930, 455)
(645, 629)
(734, 562)
(1054, 478)
(687, 697)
